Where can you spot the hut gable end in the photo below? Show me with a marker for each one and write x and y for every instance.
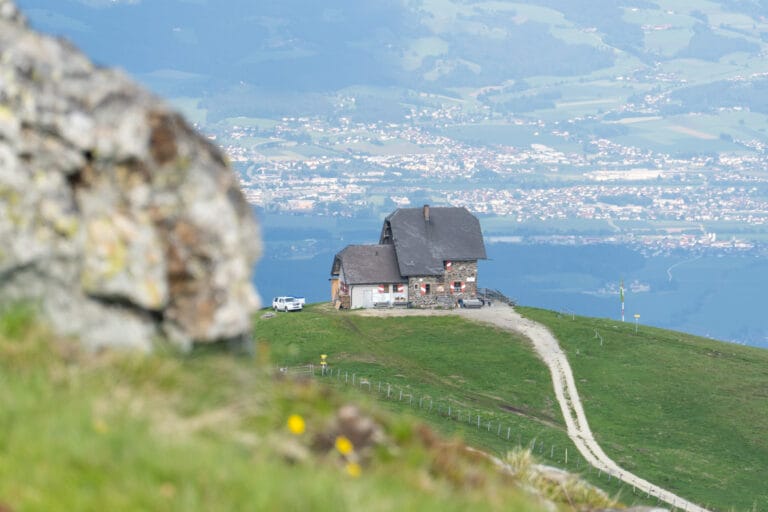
(424, 238)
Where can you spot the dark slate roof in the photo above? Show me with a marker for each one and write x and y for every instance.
(368, 264)
(422, 246)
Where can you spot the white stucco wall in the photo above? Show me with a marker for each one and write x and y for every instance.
(365, 296)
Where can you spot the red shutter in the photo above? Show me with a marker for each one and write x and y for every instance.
(448, 265)
(423, 289)
(400, 288)
(463, 286)
(382, 288)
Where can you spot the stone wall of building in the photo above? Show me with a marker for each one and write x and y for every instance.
(464, 272)
(440, 292)
(436, 288)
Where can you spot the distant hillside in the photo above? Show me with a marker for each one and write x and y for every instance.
(686, 80)
(445, 42)
(198, 48)
(684, 412)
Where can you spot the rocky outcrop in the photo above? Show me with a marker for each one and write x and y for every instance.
(116, 218)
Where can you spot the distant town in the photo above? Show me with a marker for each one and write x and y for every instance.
(623, 194)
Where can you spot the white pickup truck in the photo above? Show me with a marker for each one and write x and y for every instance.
(287, 304)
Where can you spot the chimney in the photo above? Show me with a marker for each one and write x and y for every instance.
(426, 213)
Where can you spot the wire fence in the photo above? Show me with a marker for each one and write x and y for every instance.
(443, 407)
(482, 421)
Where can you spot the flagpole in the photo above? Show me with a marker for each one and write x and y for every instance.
(621, 295)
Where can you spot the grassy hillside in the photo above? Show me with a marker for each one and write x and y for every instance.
(114, 431)
(211, 431)
(447, 362)
(477, 369)
(685, 412)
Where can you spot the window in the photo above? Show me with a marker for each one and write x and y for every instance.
(458, 287)
(427, 289)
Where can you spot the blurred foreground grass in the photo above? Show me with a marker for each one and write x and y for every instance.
(209, 431)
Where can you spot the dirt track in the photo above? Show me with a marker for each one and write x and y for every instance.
(548, 349)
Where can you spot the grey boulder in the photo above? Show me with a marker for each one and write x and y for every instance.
(118, 220)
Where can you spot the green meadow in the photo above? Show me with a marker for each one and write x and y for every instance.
(684, 412)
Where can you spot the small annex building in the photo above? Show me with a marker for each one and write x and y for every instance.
(426, 257)
(364, 276)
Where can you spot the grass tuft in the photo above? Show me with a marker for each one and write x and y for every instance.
(16, 320)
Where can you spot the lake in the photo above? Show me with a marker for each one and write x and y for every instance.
(719, 296)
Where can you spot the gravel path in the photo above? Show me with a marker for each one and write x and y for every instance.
(548, 348)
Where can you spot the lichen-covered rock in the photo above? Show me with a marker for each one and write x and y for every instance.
(115, 216)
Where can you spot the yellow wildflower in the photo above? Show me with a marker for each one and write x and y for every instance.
(353, 469)
(344, 445)
(100, 426)
(296, 424)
